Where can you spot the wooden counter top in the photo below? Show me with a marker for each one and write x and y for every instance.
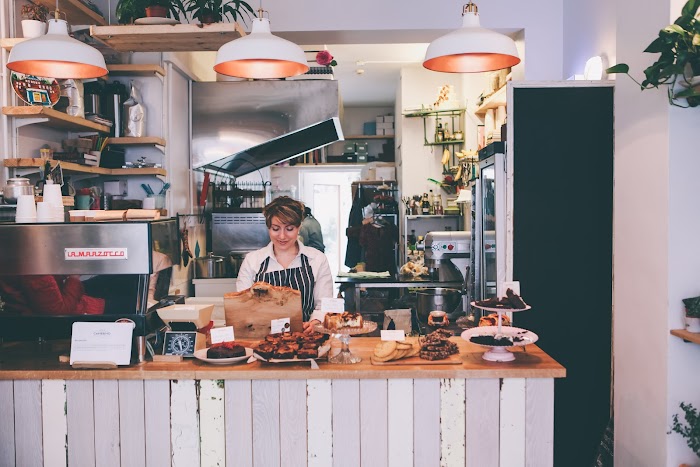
(24, 361)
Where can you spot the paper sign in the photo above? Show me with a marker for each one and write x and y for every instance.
(280, 325)
(224, 334)
(332, 305)
(101, 342)
(393, 335)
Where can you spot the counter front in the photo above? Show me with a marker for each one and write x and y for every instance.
(477, 413)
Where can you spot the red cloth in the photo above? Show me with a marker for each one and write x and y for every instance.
(48, 295)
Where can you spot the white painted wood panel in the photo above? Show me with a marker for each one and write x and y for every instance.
(239, 423)
(426, 422)
(54, 424)
(156, 395)
(539, 422)
(107, 402)
(293, 422)
(266, 423)
(81, 423)
(184, 429)
(512, 433)
(7, 424)
(482, 426)
(373, 423)
(319, 404)
(452, 422)
(212, 431)
(346, 422)
(132, 425)
(28, 423)
(400, 422)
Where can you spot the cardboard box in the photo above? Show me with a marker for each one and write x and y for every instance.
(388, 119)
(379, 120)
(362, 158)
(361, 147)
(385, 126)
(349, 147)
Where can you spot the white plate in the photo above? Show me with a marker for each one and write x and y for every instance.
(322, 351)
(155, 20)
(201, 354)
(501, 310)
(529, 337)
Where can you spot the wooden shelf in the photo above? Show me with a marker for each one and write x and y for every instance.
(433, 113)
(10, 42)
(136, 70)
(686, 335)
(352, 137)
(143, 141)
(75, 10)
(167, 38)
(54, 118)
(495, 100)
(78, 168)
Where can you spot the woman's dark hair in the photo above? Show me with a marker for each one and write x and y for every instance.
(286, 209)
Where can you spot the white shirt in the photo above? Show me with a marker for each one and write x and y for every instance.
(323, 279)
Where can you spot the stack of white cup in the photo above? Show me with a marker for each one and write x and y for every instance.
(26, 209)
(53, 211)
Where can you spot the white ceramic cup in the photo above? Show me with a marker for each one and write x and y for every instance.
(44, 212)
(149, 203)
(26, 208)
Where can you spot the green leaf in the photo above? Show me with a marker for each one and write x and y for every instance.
(619, 68)
(674, 28)
(659, 44)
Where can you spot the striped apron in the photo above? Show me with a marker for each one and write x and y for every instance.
(301, 279)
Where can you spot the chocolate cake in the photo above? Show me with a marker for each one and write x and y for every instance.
(226, 350)
(307, 353)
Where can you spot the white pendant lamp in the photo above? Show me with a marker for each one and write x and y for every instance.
(471, 49)
(260, 55)
(57, 55)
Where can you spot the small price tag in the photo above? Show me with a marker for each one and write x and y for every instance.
(393, 335)
(224, 334)
(332, 305)
(280, 325)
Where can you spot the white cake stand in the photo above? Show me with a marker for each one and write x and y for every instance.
(499, 353)
(345, 356)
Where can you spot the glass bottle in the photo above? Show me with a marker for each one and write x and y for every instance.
(412, 240)
(425, 205)
(437, 204)
(439, 132)
(446, 136)
(431, 208)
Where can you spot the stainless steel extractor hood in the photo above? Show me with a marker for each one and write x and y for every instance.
(241, 126)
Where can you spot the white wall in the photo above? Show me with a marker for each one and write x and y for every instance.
(589, 30)
(655, 255)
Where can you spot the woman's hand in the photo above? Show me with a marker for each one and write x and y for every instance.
(309, 326)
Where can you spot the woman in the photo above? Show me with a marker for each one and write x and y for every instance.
(287, 262)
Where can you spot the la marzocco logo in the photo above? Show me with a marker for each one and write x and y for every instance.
(79, 254)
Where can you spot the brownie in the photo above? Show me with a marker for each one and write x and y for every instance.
(284, 352)
(515, 300)
(265, 350)
(490, 340)
(307, 353)
(311, 345)
(216, 351)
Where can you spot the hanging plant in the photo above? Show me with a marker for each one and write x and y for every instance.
(678, 65)
(690, 429)
(215, 11)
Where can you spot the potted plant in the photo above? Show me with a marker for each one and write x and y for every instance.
(165, 8)
(692, 314)
(34, 22)
(690, 430)
(129, 10)
(678, 66)
(214, 11)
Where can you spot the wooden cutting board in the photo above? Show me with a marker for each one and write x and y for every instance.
(454, 359)
(250, 311)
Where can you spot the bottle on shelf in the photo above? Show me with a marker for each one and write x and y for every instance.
(437, 204)
(412, 240)
(425, 205)
(431, 207)
(446, 136)
(439, 132)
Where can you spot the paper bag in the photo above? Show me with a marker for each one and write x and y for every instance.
(400, 317)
